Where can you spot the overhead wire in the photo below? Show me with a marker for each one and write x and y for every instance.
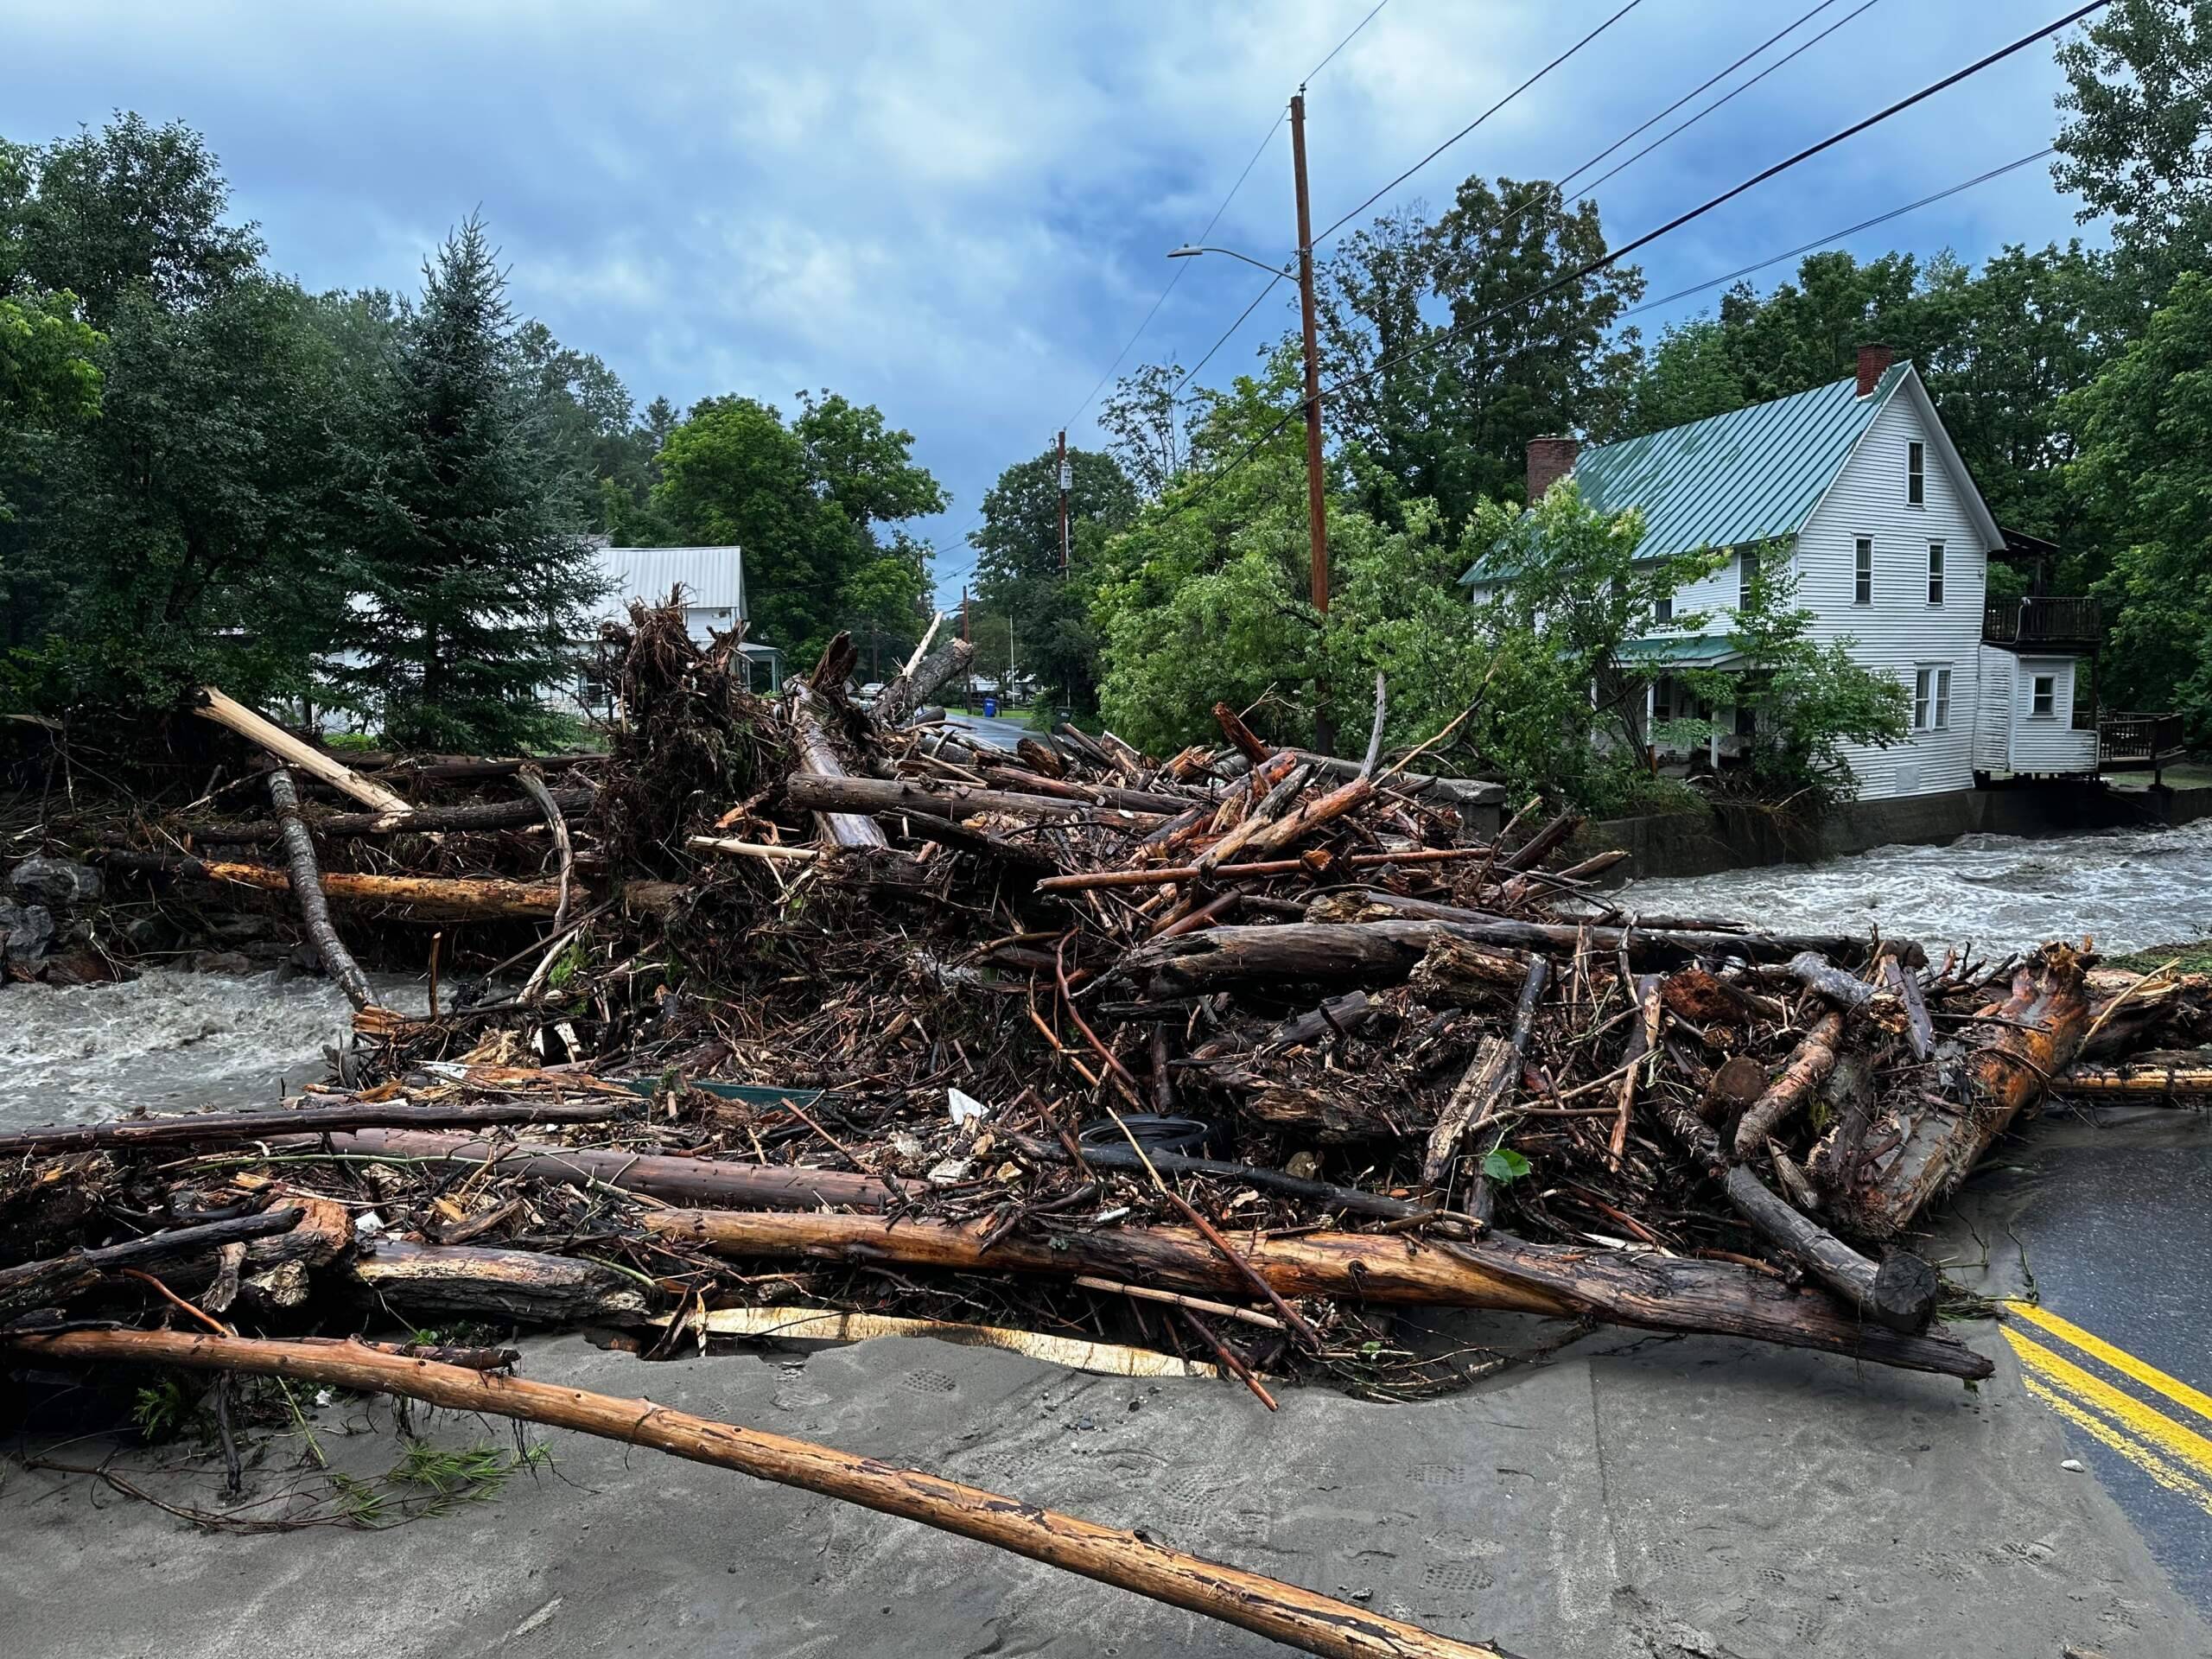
(1266, 139)
(1590, 267)
(1537, 194)
(1340, 222)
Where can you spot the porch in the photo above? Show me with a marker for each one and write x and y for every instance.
(2139, 743)
(2042, 622)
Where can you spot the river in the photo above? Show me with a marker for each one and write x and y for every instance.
(172, 1040)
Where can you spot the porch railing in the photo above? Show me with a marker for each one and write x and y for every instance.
(2042, 621)
(2126, 741)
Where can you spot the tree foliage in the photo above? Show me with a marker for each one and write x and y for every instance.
(2136, 145)
(1018, 571)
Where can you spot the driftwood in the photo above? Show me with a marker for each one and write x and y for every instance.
(528, 1287)
(674, 1180)
(818, 760)
(1160, 875)
(1904, 985)
(1482, 1196)
(307, 888)
(475, 816)
(316, 763)
(1649, 937)
(57, 1279)
(824, 794)
(426, 895)
(1460, 791)
(1813, 1060)
(1653, 1292)
(1358, 1200)
(1298, 1618)
(1817, 974)
(2047, 1015)
(2145, 1080)
(915, 687)
(533, 784)
(124, 1133)
(1487, 1080)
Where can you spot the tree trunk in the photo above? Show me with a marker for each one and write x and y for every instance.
(1999, 1078)
(1284, 1613)
(527, 1286)
(1813, 1060)
(837, 795)
(1649, 936)
(57, 1279)
(479, 815)
(818, 759)
(121, 1134)
(1653, 1292)
(306, 888)
(429, 896)
(2144, 1082)
(225, 711)
(915, 686)
(674, 1180)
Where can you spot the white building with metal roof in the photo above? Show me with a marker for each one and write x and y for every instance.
(713, 583)
(1856, 488)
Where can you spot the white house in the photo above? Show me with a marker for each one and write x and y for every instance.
(1857, 485)
(713, 580)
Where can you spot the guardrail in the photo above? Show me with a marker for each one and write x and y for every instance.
(2133, 742)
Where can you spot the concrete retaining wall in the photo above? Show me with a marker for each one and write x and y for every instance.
(1732, 835)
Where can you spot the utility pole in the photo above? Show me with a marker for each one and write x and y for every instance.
(971, 661)
(1064, 480)
(1316, 506)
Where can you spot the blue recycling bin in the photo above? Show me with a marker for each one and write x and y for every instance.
(990, 707)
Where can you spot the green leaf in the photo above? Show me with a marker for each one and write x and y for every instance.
(1504, 1166)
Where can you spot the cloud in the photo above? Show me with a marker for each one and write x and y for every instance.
(960, 214)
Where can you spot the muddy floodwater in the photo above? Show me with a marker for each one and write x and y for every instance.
(172, 1040)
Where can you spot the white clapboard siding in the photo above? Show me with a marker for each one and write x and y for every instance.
(1992, 735)
(1899, 631)
(2048, 742)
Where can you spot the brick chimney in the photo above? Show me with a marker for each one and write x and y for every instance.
(1873, 363)
(1549, 460)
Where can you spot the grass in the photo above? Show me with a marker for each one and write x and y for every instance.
(2195, 958)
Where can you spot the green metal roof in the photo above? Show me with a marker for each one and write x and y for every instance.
(1677, 651)
(1744, 477)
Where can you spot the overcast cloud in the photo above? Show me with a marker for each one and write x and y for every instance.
(960, 212)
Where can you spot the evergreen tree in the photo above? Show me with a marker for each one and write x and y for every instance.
(475, 580)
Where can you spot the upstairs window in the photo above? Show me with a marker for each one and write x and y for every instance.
(1747, 572)
(1862, 572)
(1663, 612)
(1915, 477)
(1932, 699)
(2042, 697)
(1935, 573)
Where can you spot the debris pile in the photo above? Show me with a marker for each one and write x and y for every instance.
(781, 1016)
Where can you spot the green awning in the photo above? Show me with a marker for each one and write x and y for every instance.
(1679, 651)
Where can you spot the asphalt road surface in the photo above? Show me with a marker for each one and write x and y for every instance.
(1000, 734)
(2105, 1221)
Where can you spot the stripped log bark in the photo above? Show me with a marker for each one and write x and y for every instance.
(842, 826)
(1166, 875)
(1813, 1060)
(533, 784)
(307, 888)
(1487, 1080)
(227, 712)
(2144, 1081)
(57, 1279)
(1649, 1291)
(1904, 985)
(2047, 1014)
(1818, 974)
(676, 1181)
(1482, 1194)
(428, 896)
(528, 1287)
(122, 1135)
(1297, 1617)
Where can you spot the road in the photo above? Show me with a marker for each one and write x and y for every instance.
(2106, 1221)
(999, 733)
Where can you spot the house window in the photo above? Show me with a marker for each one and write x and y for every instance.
(1915, 476)
(1663, 612)
(1862, 572)
(1747, 572)
(1663, 699)
(2042, 697)
(1932, 699)
(1935, 573)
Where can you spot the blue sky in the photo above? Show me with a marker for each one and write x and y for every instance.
(960, 214)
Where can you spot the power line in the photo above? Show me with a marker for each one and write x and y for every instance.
(1592, 267)
(1837, 236)
(1537, 194)
(1478, 120)
(1266, 139)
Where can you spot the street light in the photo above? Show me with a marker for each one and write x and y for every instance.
(1191, 251)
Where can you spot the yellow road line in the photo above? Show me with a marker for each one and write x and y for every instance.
(2170, 1438)
(2119, 1358)
(2129, 1447)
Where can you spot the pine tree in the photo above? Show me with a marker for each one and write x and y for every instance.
(475, 578)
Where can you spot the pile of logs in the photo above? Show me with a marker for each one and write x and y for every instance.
(1228, 1058)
